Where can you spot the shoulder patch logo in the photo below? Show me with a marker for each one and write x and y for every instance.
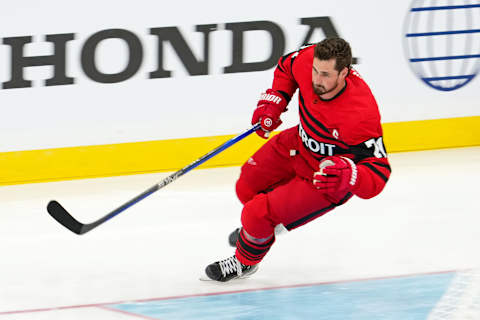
(335, 133)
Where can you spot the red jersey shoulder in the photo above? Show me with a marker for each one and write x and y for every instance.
(294, 70)
(305, 51)
(360, 97)
(359, 112)
(302, 60)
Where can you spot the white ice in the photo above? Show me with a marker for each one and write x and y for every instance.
(426, 220)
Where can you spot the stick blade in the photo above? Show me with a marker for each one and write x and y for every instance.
(59, 213)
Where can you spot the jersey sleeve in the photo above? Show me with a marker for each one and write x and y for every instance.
(373, 167)
(283, 80)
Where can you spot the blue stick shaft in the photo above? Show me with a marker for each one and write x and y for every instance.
(172, 178)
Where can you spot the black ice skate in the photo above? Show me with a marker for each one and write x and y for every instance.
(229, 269)
(233, 237)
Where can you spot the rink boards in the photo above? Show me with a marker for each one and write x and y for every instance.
(169, 155)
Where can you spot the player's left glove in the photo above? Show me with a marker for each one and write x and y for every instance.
(335, 174)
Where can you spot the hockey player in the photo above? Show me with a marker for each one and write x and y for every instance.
(335, 152)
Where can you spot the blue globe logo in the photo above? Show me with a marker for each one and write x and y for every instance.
(442, 42)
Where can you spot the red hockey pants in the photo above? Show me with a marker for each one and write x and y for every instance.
(275, 187)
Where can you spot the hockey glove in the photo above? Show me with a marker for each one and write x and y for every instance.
(269, 108)
(336, 174)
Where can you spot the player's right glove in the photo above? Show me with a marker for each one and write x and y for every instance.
(336, 174)
(268, 111)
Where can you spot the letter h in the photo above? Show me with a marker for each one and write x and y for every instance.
(57, 60)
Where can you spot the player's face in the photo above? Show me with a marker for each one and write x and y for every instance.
(326, 80)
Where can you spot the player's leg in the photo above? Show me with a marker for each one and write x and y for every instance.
(293, 204)
(269, 167)
(299, 203)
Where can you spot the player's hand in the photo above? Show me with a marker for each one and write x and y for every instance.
(269, 108)
(336, 174)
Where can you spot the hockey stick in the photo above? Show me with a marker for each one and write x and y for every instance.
(59, 213)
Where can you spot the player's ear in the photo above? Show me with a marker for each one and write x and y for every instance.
(344, 72)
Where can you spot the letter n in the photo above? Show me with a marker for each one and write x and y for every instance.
(193, 65)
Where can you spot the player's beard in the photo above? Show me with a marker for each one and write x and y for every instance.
(321, 90)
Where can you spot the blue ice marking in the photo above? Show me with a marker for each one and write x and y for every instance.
(410, 297)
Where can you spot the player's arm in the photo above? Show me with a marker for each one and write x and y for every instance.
(283, 80)
(275, 100)
(364, 172)
(373, 168)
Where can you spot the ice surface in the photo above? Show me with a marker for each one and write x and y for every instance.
(426, 220)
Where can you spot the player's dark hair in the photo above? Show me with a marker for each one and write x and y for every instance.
(335, 48)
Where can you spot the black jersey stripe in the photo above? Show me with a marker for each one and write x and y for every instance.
(285, 95)
(318, 123)
(360, 151)
(303, 110)
(383, 165)
(314, 130)
(286, 56)
(282, 61)
(291, 62)
(375, 170)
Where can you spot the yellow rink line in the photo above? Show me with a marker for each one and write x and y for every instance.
(169, 155)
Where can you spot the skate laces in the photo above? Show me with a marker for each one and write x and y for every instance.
(230, 265)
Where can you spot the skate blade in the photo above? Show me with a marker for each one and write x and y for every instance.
(206, 278)
(244, 276)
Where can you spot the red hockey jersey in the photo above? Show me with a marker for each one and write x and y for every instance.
(347, 125)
